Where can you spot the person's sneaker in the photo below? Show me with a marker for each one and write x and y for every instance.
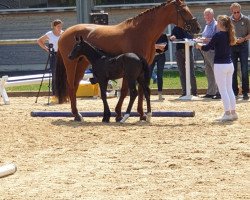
(182, 95)
(225, 118)
(208, 96)
(161, 98)
(234, 116)
(217, 96)
(245, 97)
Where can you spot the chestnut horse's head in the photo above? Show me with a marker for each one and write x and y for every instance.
(184, 18)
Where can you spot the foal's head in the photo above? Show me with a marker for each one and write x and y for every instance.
(80, 48)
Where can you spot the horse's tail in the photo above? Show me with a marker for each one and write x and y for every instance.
(61, 79)
(146, 71)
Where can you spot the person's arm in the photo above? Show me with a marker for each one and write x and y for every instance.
(42, 42)
(206, 47)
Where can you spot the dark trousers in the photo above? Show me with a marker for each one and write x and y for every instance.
(53, 70)
(159, 60)
(181, 63)
(240, 52)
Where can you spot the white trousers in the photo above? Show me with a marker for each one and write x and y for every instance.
(224, 76)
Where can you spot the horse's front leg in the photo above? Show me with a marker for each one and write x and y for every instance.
(118, 108)
(106, 114)
(133, 94)
(140, 104)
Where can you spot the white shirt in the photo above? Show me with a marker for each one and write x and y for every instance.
(53, 39)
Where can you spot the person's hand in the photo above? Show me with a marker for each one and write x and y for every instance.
(161, 47)
(172, 38)
(198, 45)
(240, 40)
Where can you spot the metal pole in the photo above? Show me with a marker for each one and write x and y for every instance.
(83, 8)
(187, 58)
(170, 48)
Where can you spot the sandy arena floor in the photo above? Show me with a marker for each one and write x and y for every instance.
(170, 158)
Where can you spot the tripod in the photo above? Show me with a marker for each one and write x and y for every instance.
(51, 52)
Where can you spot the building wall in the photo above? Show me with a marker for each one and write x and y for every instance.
(32, 24)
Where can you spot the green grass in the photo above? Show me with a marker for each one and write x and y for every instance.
(171, 80)
(28, 88)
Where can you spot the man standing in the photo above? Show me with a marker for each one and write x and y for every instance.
(208, 32)
(240, 50)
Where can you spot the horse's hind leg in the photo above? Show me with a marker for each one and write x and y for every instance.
(133, 94)
(146, 91)
(140, 104)
(118, 108)
(76, 78)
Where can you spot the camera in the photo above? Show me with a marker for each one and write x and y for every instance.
(51, 49)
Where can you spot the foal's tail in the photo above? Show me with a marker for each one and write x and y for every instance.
(61, 79)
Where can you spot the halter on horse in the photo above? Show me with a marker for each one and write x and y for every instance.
(127, 36)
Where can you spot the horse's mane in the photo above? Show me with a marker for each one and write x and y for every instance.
(146, 12)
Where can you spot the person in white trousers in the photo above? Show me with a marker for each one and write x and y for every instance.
(223, 65)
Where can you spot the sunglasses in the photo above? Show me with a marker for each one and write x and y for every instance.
(237, 12)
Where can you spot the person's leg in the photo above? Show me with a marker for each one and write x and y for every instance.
(230, 91)
(239, 76)
(192, 75)
(234, 55)
(244, 71)
(220, 71)
(209, 70)
(154, 75)
(160, 67)
(180, 59)
(151, 69)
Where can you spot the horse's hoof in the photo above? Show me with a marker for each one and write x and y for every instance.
(105, 120)
(118, 119)
(143, 118)
(126, 116)
(78, 118)
(148, 117)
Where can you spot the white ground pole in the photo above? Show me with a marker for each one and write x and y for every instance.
(187, 43)
(7, 169)
(3, 92)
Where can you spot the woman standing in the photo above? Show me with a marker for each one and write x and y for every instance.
(159, 60)
(52, 38)
(223, 66)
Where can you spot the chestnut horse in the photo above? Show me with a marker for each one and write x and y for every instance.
(137, 35)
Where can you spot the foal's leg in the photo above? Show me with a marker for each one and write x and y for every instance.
(140, 104)
(106, 114)
(146, 91)
(118, 108)
(133, 94)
